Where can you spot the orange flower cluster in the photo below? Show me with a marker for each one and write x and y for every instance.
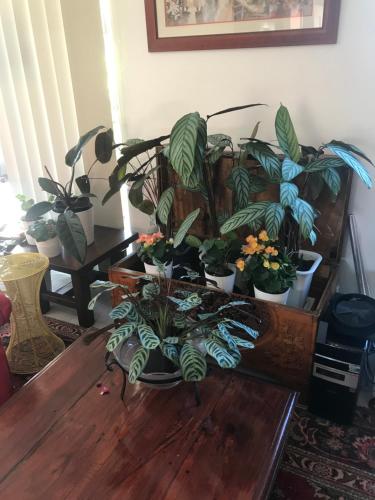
(150, 239)
(257, 245)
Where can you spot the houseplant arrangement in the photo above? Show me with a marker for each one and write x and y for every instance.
(26, 204)
(45, 235)
(156, 253)
(299, 172)
(267, 268)
(164, 334)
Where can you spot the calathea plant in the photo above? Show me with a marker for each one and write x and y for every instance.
(174, 324)
(66, 203)
(298, 170)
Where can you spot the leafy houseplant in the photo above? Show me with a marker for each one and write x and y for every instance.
(73, 208)
(157, 324)
(156, 251)
(45, 235)
(26, 204)
(267, 268)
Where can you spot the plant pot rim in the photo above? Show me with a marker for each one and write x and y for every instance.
(231, 268)
(167, 263)
(46, 241)
(315, 256)
(75, 210)
(272, 293)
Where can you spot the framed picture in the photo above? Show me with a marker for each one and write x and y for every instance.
(227, 24)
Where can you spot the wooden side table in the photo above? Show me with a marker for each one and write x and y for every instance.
(109, 244)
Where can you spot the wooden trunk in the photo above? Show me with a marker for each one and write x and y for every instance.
(285, 349)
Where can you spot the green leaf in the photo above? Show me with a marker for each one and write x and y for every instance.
(274, 217)
(193, 364)
(193, 300)
(242, 186)
(248, 215)
(352, 162)
(266, 157)
(132, 142)
(72, 235)
(103, 146)
(351, 148)
(38, 210)
(230, 110)
(121, 311)
(313, 237)
(332, 179)
(257, 184)
(220, 354)
(119, 335)
(170, 351)
(83, 183)
(148, 337)
(171, 340)
(215, 154)
(243, 343)
(150, 290)
(138, 363)
(219, 139)
(183, 142)
(49, 186)
(223, 333)
(286, 135)
(185, 226)
(255, 131)
(288, 194)
(290, 169)
(250, 331)
(147, 207)
(165, 204)
(74, 154)
(304, 214)
(193, 241)
(323, 163)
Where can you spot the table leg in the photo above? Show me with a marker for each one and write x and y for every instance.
(82, 295)
(44, 303)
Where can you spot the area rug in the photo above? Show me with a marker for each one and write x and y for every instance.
(327, 461)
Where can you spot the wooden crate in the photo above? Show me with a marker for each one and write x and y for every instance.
(285, 349)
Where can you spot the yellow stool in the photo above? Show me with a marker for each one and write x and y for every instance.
(32, 344)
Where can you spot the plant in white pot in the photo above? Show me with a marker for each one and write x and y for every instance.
(26, 204)
(267, 268)
(45, 236)
(156, 253)
(299, 171)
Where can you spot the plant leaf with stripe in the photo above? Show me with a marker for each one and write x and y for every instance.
(243, 343)
(185, 226)
(121, 311)
(242, 186)
(237, 324)
(182, 145)
(122, 333)
(274, 217)
(170, 351)
(332, 179)
(137, 364)
(165, 204)
(219, 139)
(248, 215)
(150, 290)
(286, 134)
(147, 336)
(290, 169)
(72, 235)
(266, 157)
(324, 163)
(220, 354)
(352, 162)
(352, 149)
(304, 214)
(193, 364)
(288, 194)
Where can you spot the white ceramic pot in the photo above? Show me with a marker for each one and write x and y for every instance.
(87, 220)
(154, 270)
(25, 226)
(301, 286)
(50, 248)
(225, 283)
(278, 298)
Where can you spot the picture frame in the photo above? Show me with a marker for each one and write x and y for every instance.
(181, 40)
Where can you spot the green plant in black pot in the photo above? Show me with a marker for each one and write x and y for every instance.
(66, 202)
(160, 329)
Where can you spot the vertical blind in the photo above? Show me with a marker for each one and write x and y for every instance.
(38, 119)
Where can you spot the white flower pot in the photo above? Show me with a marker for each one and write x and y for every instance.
(154, 270)
(225, 283)
(25, 226)
(301, 286)
(50, 248)
(278, 298)
(87, 220)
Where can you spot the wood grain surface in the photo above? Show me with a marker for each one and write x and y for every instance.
(59, 438)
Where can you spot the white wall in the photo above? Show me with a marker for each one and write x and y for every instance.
(329, 90)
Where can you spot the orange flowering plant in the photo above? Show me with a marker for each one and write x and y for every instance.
(265, 264)
(155, 248)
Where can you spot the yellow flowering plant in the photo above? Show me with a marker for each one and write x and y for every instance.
(265, 265)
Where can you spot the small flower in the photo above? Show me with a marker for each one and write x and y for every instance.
(263, 236)
(260, 248)
(275, 253)
(240, 264)
(266, 264)
(251, 239)
(275, 266)
(248, 250)
(270, 250)
(158, 236)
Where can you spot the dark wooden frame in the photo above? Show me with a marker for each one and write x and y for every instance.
(310, 36)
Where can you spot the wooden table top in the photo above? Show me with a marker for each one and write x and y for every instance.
(59, 438)
(107, 240)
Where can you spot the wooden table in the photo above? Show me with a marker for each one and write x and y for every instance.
(59, 438)
(109, 244)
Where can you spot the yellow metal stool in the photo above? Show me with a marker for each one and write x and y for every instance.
(32, 344)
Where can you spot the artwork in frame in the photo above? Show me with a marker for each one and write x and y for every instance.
(225, 24)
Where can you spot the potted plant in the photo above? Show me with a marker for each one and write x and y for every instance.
(218, 256)
(26, 204)
(44, 233)
(156, 253)
(267, 268)
(75, 222)
(163, 336)
(299, 172)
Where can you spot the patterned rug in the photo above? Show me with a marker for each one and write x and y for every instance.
(322, 460)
